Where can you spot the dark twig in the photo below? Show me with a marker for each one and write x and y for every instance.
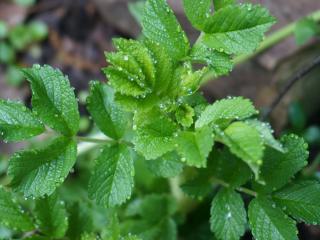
(291, 82)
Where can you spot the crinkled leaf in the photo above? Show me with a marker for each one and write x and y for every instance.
(237, 29)
(12, 215)
(53, 100)
(225, 110)
(301, 200)
(160, 25)
(155, 135)
(112, 180)
(106, 113)
(266, 132)
(278, 168)
(228, 215)
(39, 172)
(17, 122)
(194, 147)
(268, 222)
(51, 216)
(184, 115)
(168, 165)
(246, 143)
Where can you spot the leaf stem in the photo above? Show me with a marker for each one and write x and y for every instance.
(239, 189)
(94, 140)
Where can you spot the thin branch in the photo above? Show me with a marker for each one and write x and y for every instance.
(290, 83)
(239, 189)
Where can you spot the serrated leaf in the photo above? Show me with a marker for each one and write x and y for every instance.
(268, 222)
(266, 132)
(197, 13)
(112, 181)
(51, 216)
(160, 25)
(242, 29)
(194, 147)
(219, 63)
(168, 165)
(106, 113)
(155, 135)
(53, 100)
(39, 172)
(278, 168)
(225, 110)
(12, 214)
(17, 122)
(226, 166)
(246, 143)
(228, 215)
(301, 200)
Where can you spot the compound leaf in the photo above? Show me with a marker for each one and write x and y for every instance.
(12, 215)
(268, 222)
(228, 215)
(17, 122)
(39, 172)
(53, 100)
(160, 25)
(51, 216)
(112, 180)
(106, 113)
(301, 200)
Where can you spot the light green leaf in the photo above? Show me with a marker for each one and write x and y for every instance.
(194, 147)
(268, 222)
(106, 113)
(266, 132)
(160, 25)
(136, 9)
(278, 168)
(228, 215)
(219, 63)
(184, 115)
(218, 4)
(246, 143)
(301, 200)
(39, 172)
(155, 134)
(237, 29)
(51, 216)
(53, 99)
(12, 215)
(168, 165)
(226, 166)
(226, 110)
(198, 12)
(17, 122)
(112, 181)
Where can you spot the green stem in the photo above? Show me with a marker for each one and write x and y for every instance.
(93, 140)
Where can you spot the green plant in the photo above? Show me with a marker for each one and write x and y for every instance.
(155, 121)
